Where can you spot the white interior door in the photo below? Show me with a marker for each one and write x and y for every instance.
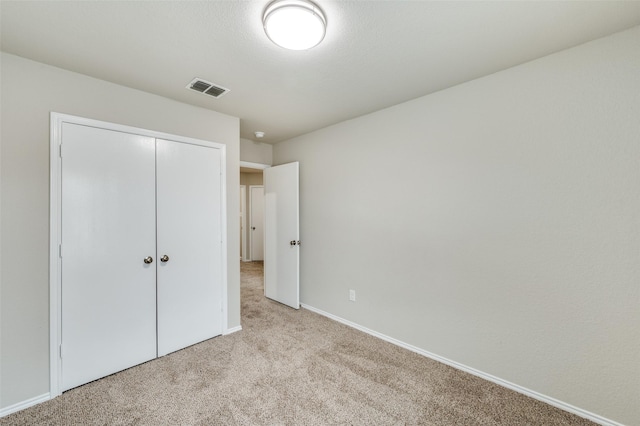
(243, 225)
(108, 229)
(256, 202)
(189, 216)
(282, 239)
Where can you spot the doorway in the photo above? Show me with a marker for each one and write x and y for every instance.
(251, 272)
(251, 177)
(273, 229)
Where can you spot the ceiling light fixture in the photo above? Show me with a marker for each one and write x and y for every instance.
(294, 24)
(259, 135)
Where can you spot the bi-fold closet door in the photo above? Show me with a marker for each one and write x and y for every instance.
(141, 249)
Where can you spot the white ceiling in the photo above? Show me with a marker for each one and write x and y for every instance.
(375, 54)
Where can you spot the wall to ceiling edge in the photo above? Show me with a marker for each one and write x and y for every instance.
(29, 92)
(495, 224)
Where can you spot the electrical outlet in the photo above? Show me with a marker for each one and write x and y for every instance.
(352, 295)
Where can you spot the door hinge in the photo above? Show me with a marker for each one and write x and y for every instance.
(60, 347)
(60, 250)
(60, 150)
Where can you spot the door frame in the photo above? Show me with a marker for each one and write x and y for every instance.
(246, 255)
(251, 221)
(55, 228)
(243, 222)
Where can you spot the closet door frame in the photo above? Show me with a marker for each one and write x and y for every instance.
(55, 227)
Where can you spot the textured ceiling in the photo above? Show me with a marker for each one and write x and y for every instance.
(376, 53)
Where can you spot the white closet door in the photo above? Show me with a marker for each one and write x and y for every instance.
(108, 229)
(189, 234)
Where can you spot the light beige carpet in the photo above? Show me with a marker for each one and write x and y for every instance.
(289, 367)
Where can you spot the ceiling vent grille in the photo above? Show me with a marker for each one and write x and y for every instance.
(207, 88)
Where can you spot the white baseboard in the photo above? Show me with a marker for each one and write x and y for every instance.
(231, 330)
(528, 392)
(24, 404)
(47, 396)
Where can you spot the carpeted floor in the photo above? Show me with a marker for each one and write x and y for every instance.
(295, 368)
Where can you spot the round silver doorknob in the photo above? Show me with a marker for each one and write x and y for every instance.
(164, 259)
(148, 260)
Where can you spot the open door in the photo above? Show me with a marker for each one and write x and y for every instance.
(282, 239)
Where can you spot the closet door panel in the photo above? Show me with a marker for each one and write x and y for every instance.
(108, 229)
(189, 234)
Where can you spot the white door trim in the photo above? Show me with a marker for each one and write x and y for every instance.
(55, 216)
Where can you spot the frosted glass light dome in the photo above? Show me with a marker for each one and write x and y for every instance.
(294, 24)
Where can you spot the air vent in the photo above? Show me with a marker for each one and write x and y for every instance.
(207, 88)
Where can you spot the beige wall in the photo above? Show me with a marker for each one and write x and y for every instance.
(29, 92)
(519, 255)
(249, 179)
(256, 152)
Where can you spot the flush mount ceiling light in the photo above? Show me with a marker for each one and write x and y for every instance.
(294, 24)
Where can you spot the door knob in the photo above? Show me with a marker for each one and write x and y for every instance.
(253, 228)
(164, 259)
(148, 260)
(292, 242)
